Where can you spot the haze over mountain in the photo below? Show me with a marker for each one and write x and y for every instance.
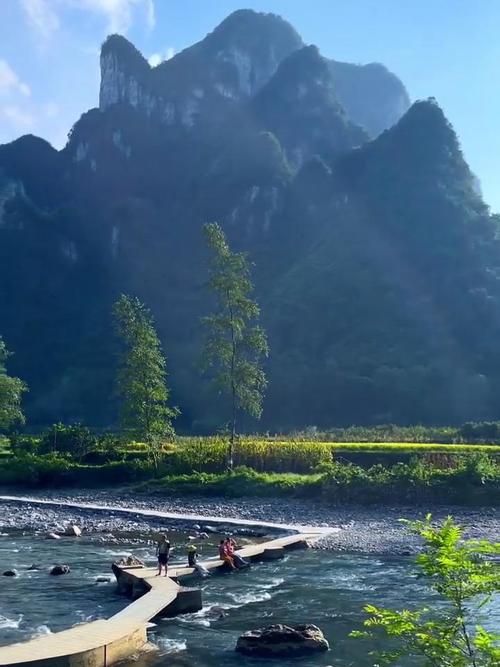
(377, 263)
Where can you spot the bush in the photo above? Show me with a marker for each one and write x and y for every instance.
(58, 470)
(480, 432)
(35, 470)
(106, 448)
(75, 440)
(239, 483)
(24, 444)
(476, 481)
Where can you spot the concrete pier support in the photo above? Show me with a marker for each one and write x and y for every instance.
(273, 553)
(188, 600)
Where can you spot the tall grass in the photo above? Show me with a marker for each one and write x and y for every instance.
(210, 454)
(300, 456)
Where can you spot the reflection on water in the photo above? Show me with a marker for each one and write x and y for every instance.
(323, 588)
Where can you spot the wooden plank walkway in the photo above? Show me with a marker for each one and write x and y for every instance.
(105, 642)
(162, 592)
(87, 644)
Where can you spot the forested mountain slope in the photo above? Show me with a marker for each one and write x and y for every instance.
(376, 262)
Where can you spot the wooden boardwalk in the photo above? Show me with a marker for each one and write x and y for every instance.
(106, 642)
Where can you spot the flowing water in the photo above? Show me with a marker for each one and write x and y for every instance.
(318, 587)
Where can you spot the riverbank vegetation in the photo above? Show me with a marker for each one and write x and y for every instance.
(328, 472)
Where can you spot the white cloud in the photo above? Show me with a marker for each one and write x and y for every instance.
(42, 16)
(45, 15)
(10, 82)
(157, 58)
(17, 117)
(119, 13)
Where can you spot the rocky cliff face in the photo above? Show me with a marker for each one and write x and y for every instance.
(375, 258)
(232, 64)
(300, 106)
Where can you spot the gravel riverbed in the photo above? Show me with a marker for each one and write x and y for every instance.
(374, 529)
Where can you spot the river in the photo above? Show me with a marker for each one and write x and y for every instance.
(319, 587)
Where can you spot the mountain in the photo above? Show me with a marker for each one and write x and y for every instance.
(375, 256)
(380, 311)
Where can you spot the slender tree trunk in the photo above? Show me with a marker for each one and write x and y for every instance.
(465, 633)
(233, 431)
(233, 395)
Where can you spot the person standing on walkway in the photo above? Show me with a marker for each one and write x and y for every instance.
(162, 552)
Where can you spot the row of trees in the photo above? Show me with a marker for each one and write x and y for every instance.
(234, 348)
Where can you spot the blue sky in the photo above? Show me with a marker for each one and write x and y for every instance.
(448, 49)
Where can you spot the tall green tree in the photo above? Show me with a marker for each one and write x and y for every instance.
(235, 344)
(465, 574)
(141, 377)
(11, 392)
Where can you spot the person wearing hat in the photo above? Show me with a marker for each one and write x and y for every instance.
(192, 552)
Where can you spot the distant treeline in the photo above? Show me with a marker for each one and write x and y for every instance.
(484, 431)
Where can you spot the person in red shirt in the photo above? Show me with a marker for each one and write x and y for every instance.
(225, 556)
(231, 547)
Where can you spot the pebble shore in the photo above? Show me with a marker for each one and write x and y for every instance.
(370, 530)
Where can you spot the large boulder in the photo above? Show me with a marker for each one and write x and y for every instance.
(282, 641)
(73, 531)
(59, 569)
(53, 536)
(10, 573)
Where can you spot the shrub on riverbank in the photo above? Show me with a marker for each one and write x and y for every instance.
(51, 470)
(471, 480)
(476, 482)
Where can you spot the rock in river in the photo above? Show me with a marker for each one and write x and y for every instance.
(10, 573)
(60, 569)
(280, 641)
(73, 531)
